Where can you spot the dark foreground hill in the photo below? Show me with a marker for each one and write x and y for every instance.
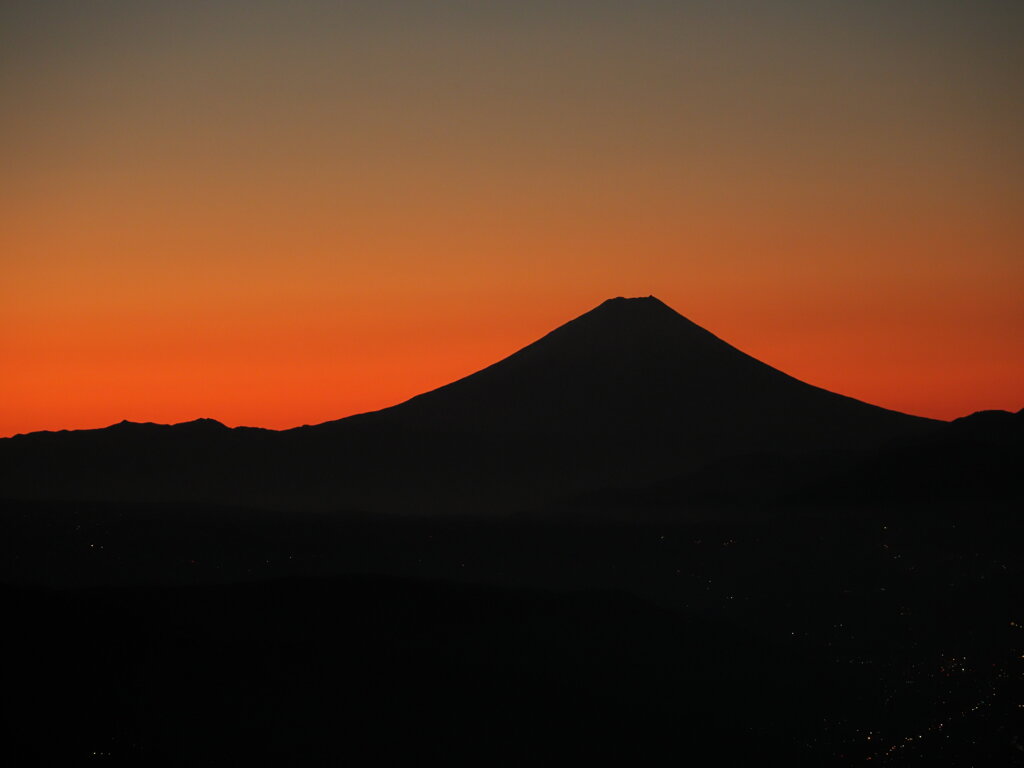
(628, 394)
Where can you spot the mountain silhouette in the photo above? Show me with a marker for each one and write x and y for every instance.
(637, 366)
(625, 394)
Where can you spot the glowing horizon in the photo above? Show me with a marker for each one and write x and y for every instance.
(276, 213)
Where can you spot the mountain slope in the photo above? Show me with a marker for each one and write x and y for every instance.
(637, 366)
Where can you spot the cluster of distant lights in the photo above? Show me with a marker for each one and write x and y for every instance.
(909, 740)
(949, 668)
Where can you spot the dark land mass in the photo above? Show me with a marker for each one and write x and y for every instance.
(627, 541)
(624, 395)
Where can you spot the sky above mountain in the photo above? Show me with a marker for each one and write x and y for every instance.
(276, 213)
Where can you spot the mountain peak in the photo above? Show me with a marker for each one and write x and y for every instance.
(620, 300)
(633, 304)
(636, 313)
(630, 319)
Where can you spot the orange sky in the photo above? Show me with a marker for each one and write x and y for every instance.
(275, 214)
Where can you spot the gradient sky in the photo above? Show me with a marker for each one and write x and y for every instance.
(276, 213)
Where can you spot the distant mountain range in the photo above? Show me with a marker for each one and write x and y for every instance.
(628, 396)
